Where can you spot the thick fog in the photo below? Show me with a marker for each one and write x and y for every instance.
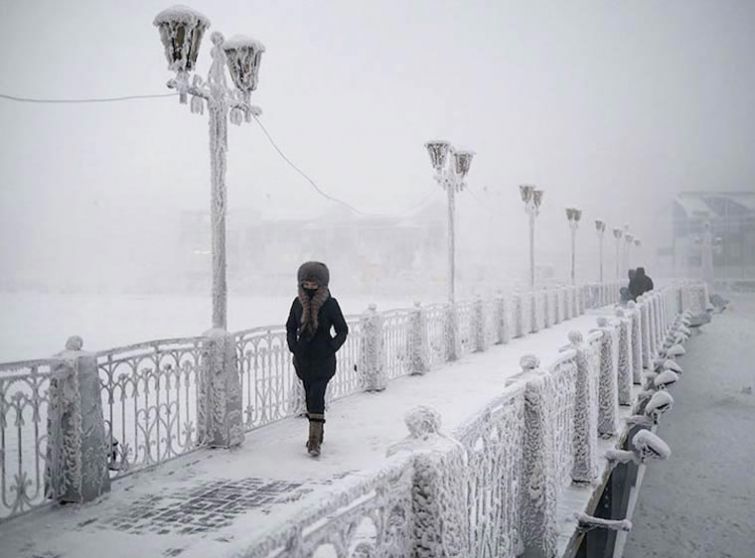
(609, 107)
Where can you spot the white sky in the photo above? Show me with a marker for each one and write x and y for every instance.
(609, 106)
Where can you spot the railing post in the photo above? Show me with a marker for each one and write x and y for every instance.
(371, 365)
(534, 325)
(502, 320)
(624, 372)
(645, 328)
(478, 326)
(78, 446)
(451, 331)
(585, 439)
(567, 304)
(419, 345)
(440, 522)
(539, 527)
(220, 422)
(518, 315)
(637, 349)
(557, 305)
(608, 396)
(546, 309)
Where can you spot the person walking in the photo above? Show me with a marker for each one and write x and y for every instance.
(640, 283)
(314, 312)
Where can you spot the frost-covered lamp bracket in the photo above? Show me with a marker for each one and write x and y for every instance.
(645, 445)
(181, 31)
(587, 523)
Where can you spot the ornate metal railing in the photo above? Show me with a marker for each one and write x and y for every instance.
(436, 333)
(270, 390)
(490, 319)
(396, 342)
(367, 515)
(465, 312)
(493, 440)
(564, 372)
(149, 399)
(24, 396)
(347, 380)
(149, 390)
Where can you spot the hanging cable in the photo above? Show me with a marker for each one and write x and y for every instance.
(267, 134)
(320, 190)
(79, 101)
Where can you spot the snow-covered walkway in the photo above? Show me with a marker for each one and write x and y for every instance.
(701, 503)
(212, 502)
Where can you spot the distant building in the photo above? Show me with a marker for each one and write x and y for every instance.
(732, 219)
(374, 249)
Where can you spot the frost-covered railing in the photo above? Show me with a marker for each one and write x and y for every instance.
(149, 401)
(492, 476)
(150, 390)
(24, 388)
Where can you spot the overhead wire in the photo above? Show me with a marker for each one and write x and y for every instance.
(265, 132)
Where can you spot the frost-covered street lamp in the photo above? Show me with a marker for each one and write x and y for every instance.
(181, 31)
(600, 228)
(617, 234)
(533, 199)
(451, 167)
(637, 244)
(573, 215)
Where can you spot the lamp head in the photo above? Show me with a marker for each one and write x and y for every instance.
(438, 151)
(525, 190)
(181, 30)
(243, 55)
(462, 162)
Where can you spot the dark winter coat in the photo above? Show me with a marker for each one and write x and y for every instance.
(315, 355)
(640, 283)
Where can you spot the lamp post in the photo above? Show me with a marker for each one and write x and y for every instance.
(706, 258)
(600, 228)
(573, 215)
(617, 234)
(181, 30)
(629, 238)
(533, 199)
(449, 174)
(637, 244)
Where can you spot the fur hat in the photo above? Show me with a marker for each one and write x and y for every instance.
(314, 271)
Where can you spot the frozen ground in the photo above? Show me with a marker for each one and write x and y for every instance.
(701, 503)
(35, 325)
(210, 503)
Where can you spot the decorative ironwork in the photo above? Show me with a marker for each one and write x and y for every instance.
(24, 397)
(564, 372)
(396, 342)
(149, 399)
(493, 441)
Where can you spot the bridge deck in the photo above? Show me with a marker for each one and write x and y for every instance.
(216, 502)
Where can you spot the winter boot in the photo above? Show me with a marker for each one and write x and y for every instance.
(316, 422)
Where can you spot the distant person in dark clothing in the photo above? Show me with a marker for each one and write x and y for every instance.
(640, 283)
(624, 292)
(313, 314)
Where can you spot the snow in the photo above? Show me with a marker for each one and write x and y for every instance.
(182, 14)
(242, 41)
